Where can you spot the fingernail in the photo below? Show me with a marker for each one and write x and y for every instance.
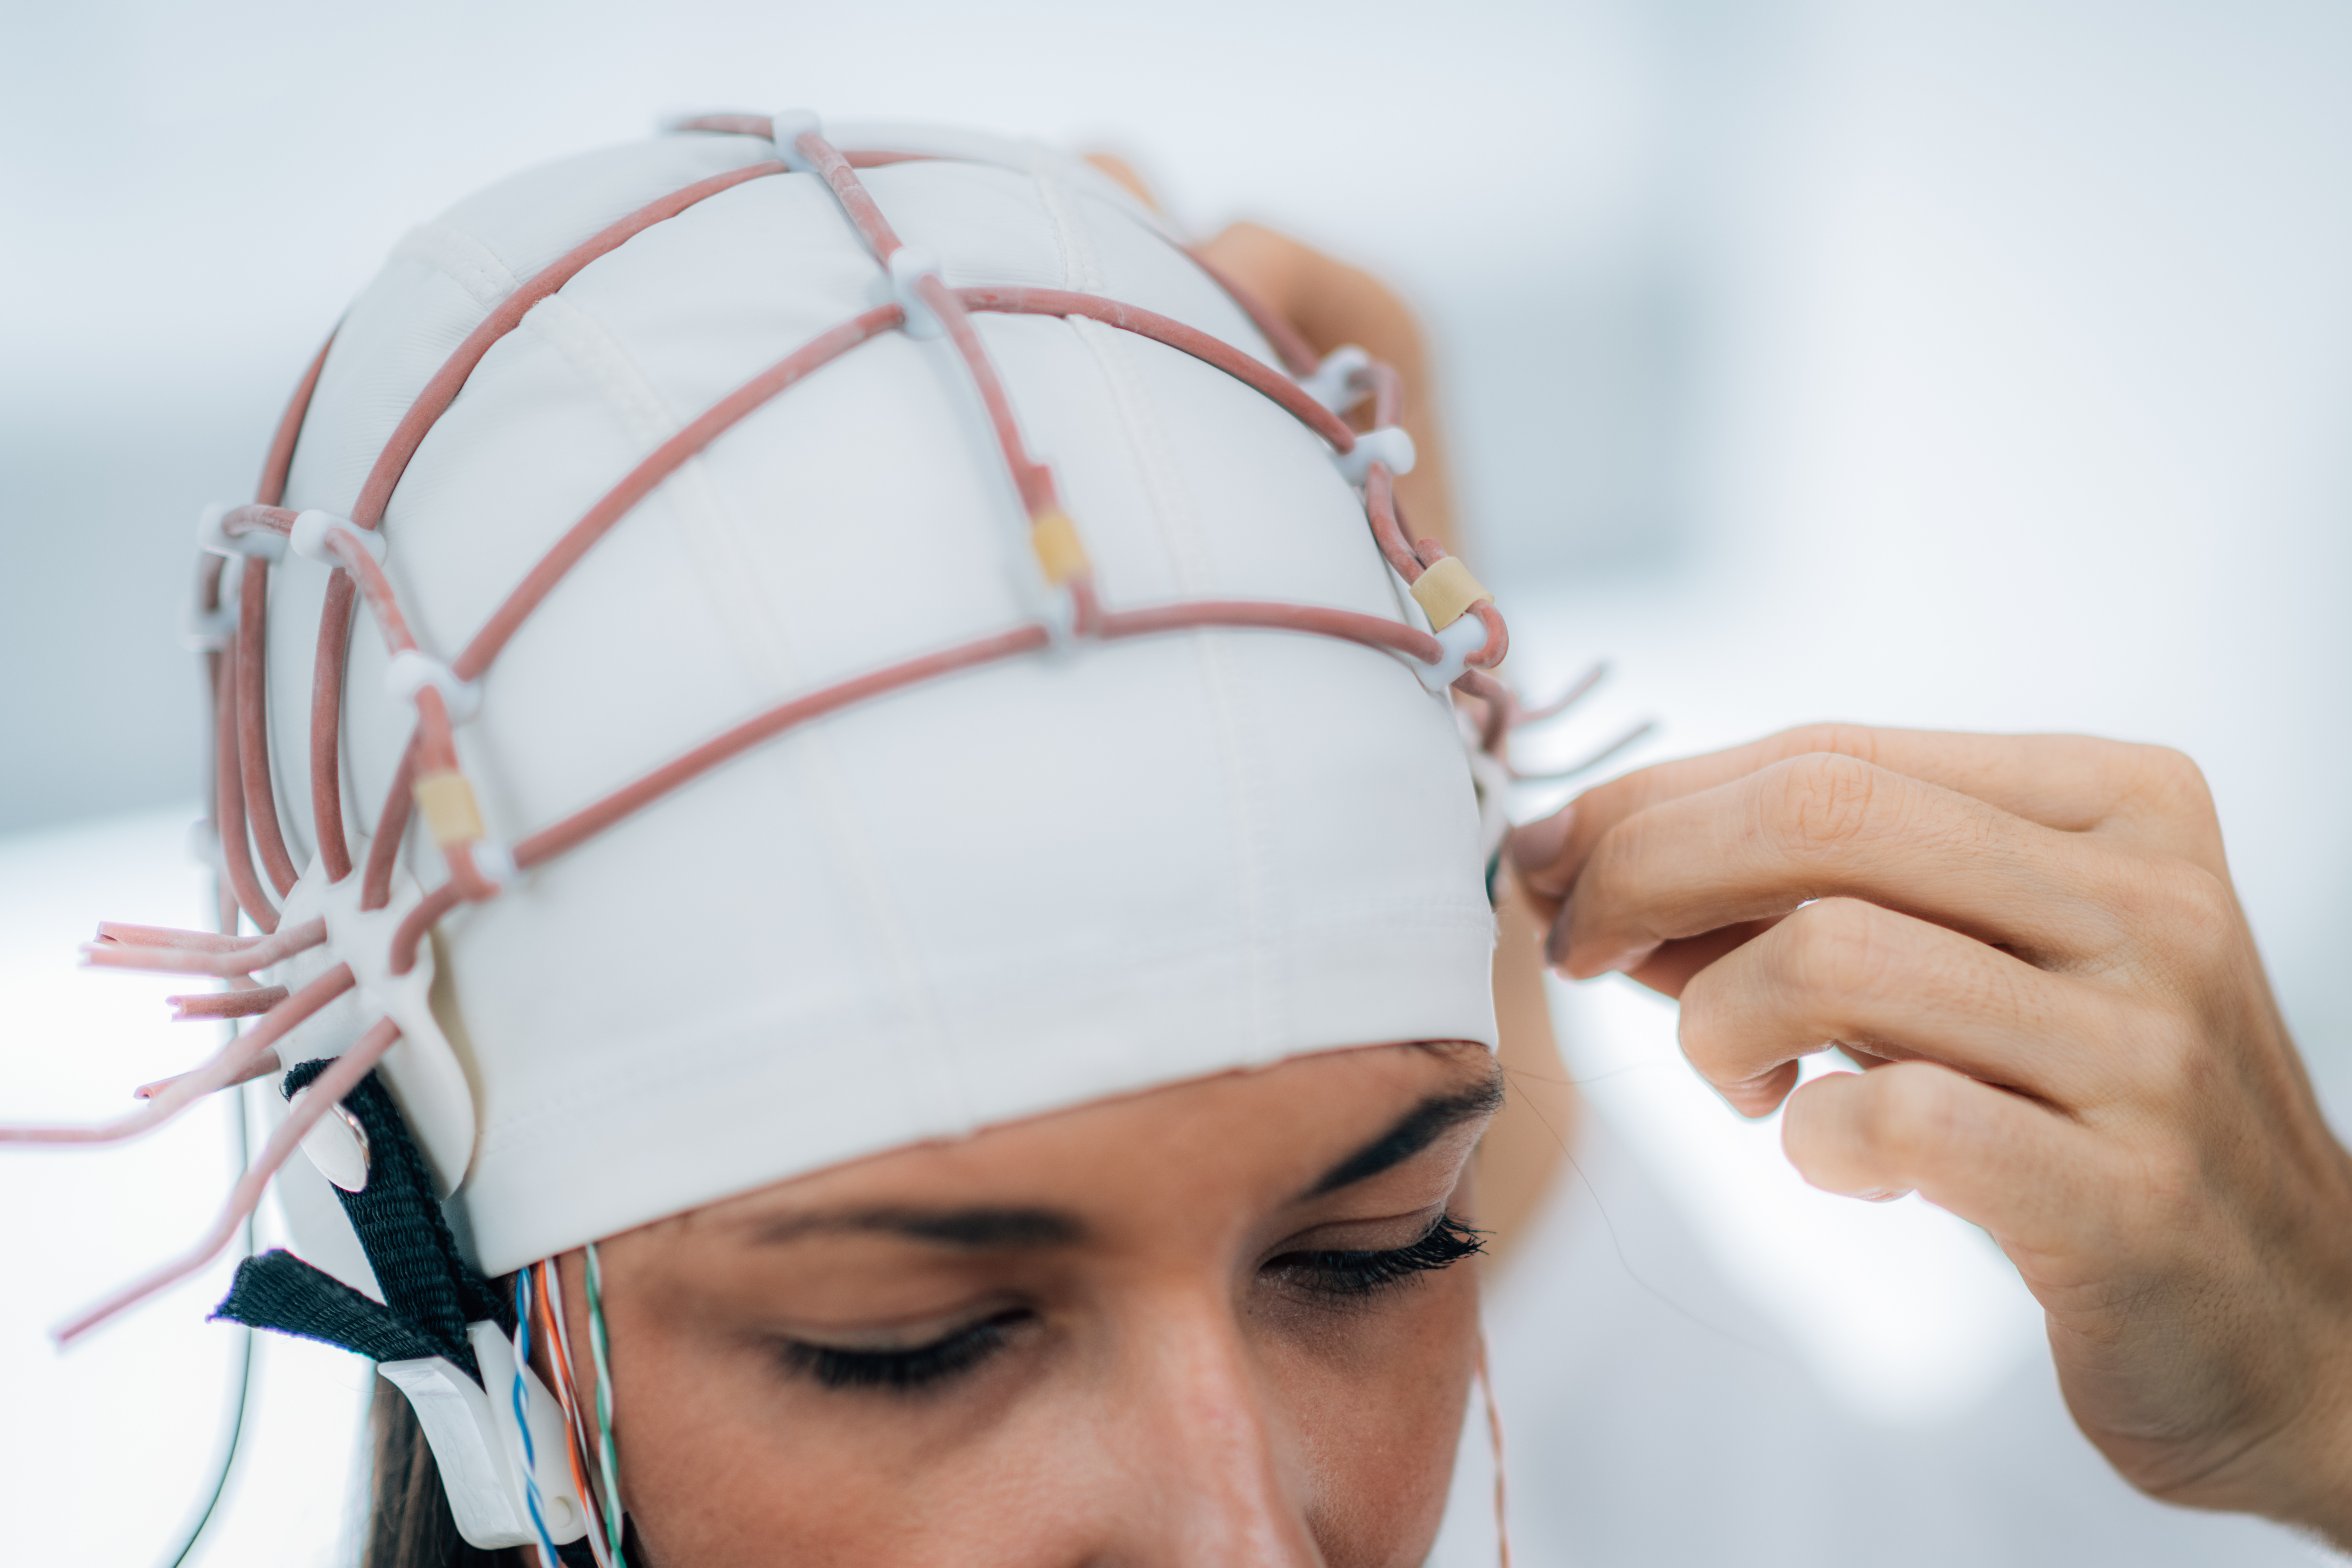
(1556, 939)
(1534, 847)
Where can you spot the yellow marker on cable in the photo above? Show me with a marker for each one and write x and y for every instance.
(1055, 538)
(447, 801)
(1446, 591)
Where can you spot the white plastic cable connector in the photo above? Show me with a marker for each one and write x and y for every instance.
(910, 265)
(412, 670)
(260, 542)
(204, 843)
(1460, 640)
(312, 528)
(495, 861)
(788, 126)
(1387, 445)
(1333, 382)
(477, 1440)
(209, 631)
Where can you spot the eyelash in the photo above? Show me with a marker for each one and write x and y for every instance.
(907, 1370)
(1349, 1276)
(1355, 1275)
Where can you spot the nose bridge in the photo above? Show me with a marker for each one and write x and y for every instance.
(1218, 1467)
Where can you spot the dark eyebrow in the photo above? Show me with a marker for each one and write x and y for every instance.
(1416, 1129)
(966, 1227)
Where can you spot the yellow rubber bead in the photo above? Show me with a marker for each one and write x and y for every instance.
(1055, 538)
(450, 815)
(1446, 591)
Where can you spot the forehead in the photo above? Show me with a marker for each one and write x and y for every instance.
(1254, 1138)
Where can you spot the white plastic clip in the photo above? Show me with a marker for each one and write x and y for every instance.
(788, 126)
(1333, 384)
(1459, 641)
(910, 265)
(1388, 445)
(209, 631)
(312, 528)
(476, 1442)
(412, 670)
(204, 843)
(495, 861)
(260, 542)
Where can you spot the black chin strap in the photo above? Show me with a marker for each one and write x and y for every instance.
(430, 1291)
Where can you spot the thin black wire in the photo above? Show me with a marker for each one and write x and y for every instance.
(235, 1424)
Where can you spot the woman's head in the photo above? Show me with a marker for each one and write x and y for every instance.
(925, 728)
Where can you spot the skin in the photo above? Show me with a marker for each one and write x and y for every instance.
(1175, 1381)
(2032, 947)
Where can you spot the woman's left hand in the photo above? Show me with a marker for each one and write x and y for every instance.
(2032, 945)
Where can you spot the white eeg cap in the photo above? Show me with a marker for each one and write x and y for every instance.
(1009, 891)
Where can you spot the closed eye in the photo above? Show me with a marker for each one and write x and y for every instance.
(907, 1370)
(1353, 1275)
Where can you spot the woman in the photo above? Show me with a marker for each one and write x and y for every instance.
(1026, 1117)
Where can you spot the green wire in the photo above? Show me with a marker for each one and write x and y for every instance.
(596, 1346)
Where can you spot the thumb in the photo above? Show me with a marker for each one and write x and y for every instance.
(2021, 1172)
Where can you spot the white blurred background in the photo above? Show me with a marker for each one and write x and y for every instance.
(1976, 364)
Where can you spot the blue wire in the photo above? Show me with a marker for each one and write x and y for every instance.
(522, 1420)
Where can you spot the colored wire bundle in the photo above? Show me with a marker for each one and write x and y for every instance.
(532, 1496)
(600, 1545)
(598, 1349)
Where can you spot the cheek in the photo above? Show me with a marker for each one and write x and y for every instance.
(1378, 1410)
(726, 1464)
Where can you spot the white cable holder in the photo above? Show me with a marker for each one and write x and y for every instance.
(1334, 384)
(910, 265)
(312, 529)
(205, 842)
(1458, 641)
(787, 126)
(1387, 445)
(261, 543)
(477, 1442)
(209, 631)
(412, 670)
(495, 861)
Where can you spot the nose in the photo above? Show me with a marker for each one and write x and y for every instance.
(1217, 1473)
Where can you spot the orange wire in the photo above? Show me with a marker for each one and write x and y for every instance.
(558, 1358)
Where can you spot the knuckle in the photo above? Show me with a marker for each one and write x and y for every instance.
(1821, 804)
(2167, 778)
(2187, 914)
(1912, 1116)
(1856, 740)
(2167, 790)
(1832, 949)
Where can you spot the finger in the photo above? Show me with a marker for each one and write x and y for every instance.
(2024, 1173)
(1822, 825)
(1893, 988)
(1127, 174)
(2069, 782)
(1670, 968)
